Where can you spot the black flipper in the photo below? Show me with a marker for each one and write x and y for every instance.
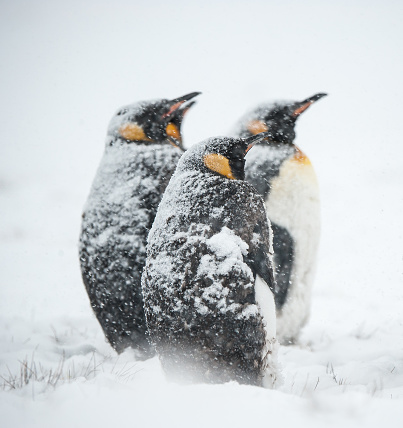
(259, 256)
(283, 245)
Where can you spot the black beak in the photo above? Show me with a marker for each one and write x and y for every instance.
(186, 97)
(176, 103)
(314, 98)
(184, 109)
(300, 107)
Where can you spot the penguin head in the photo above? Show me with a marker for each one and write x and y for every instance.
(278, 118)
(222, 156)
(146, 122)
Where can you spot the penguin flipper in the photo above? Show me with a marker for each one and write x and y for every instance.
(283, 244)
(260, 256)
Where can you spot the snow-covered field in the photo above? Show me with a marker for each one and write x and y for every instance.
(67, 66)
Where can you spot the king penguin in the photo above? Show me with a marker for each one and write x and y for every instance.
(143, 146)
(208, 281)
(284, 176)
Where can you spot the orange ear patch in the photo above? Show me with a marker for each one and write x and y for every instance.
(133, 132)
(256, 127)
(173, 131)
(300, 157)
(218, 163)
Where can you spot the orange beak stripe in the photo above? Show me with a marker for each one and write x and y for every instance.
(301, 109)
(172, 109)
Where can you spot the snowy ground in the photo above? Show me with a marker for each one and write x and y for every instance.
(67, 67)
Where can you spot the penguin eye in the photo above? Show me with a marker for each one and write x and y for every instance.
(173, 131)
(133, 132)
(218, 163)
(257, 126)
(120, 112)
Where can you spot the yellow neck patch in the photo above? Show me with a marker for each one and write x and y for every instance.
(133, 132)
(300, 157)
(256, 127)
(173, 131)
(218, 163)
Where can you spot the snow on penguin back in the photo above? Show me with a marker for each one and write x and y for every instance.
(143, 146)
(209, 241)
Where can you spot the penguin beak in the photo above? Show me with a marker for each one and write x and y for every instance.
(254, 139)
(303, 105)
(176, 103)
(186, 108)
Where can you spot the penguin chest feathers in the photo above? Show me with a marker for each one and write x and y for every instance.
(293, 200)
(293, 203)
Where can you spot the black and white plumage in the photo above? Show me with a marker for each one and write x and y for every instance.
(143, 146)
(284, 175)
(208, 277)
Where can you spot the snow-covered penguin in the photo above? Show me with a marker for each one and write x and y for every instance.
(208, 279)
(284, 175)
(143, 146)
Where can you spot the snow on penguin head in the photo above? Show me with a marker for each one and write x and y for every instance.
(278, 118)
(150, 122)
(224, 156)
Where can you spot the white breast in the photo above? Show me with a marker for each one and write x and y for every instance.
(267, 308)
(293, 203)
(265, 300)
